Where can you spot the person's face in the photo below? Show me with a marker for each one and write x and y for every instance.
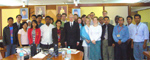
(87, 21)
(33, 18)
(34, 24)
(63, 17)
(95, 21)
(79, 21)
(92, 15)
(58, 24)
(101, 20)
(19, 18)
(47, 20)
(104, 14)
(24, 12)
(29, 23)
(116, 20)
(51, 21)
(39, 19)
(25, 26)
(137, 19)
(106, 20)
(10, 22)
(84, 18)
(59, 17)
(129, 20)
(75, 17)
(71, 18)
(120, 21)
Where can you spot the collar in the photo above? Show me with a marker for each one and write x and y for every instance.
(138, 24)
(122, 25)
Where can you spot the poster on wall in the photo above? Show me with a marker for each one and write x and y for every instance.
(60, 9)
(76, 11)
(24, 12)
(40, 10)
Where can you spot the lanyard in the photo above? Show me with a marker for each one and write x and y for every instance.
(120, 29)
(137, 28)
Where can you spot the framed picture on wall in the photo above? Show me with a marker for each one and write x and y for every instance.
(76, 11)
(24, 12)
(40, 10)
(62, 9)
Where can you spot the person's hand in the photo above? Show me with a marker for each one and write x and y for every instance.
(113, 45)
(21, 46)
(77, 43)
(93, 41)
(65, 43)
(59, 44)
(36, 45)
(128, 41)
(144, 46)
(88, 41)
(119, 42)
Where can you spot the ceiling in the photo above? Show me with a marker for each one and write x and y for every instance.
(55, 2)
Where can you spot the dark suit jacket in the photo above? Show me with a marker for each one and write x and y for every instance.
(110, 32)
(15, 24)
(72, 33)
(6, 35)
(55, 36)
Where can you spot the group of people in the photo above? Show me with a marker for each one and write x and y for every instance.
(96, 37)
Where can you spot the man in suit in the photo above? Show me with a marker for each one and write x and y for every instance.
(18, 24)
(72, 33)
(107, 40)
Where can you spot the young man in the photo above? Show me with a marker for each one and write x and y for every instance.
(140, 35)
(129, 49)
(18, 24)
(104, 13)
(59, 16)
(10, 38)
(64, 15)
(107, 40)
(120, 35)
(101, 21)
(116, 20)
(46, 33)
(72, 33)
(33, 17)
(39, 19)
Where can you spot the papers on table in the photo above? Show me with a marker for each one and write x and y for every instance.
(39, 55)
(73, 51)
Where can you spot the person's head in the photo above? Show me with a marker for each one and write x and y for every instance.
(106, 20)
(83, 18)
(89, 16)
(64, 15)
(58, 23)
(87, 21)
(24, 25)
(137, 18)
(116, 19)
(34, 24)
(104, 13)
(75, 16)
(121, 20)
(129, 19)
(79, 20)
(23, 12)
(47, 20)
(71, 18)
(18, 17)
(10, 21)
(92, 15)
(52, 20)
(33, 17)
(58, 16)
(29, 22)
(95, 20)
(39, 18)
(101, 20)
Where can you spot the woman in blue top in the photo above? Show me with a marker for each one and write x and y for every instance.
(86, 39)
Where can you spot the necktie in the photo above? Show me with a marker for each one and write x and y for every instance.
(106, 33)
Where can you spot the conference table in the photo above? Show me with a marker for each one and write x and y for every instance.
(78, 56)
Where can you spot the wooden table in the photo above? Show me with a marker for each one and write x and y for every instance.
(78, 56)
(147, 54)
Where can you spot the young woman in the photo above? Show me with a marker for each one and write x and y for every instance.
(29, 24)
(34, 36)
(58, 34)
(86, 39)
(22, 35)
(95, 33)
(52, 21)
(83, 18)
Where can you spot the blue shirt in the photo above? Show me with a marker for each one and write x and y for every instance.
(140, 33)
(123, 34)
(11, 34)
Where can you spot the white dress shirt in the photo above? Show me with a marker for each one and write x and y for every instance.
(140, 33)
(46, 33)
(71, 23)
(130, 28)
(95, 33)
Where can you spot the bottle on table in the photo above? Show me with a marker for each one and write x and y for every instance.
(68, 53)
(21, 54)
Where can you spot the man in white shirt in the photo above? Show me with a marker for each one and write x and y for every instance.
(130, 28)
(140, 35)
(46, 34)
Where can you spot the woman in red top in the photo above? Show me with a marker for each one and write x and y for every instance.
(34, 36)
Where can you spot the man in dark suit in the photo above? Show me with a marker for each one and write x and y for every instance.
(107, 40)
(18, 24)
(72, 33)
